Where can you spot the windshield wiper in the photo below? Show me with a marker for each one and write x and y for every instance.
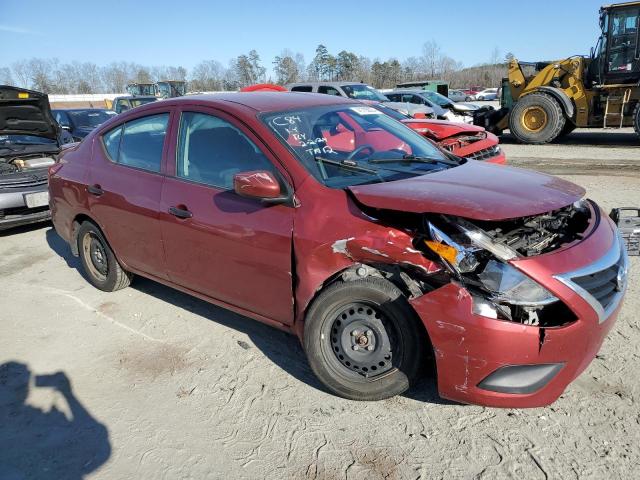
(414, 159)
(349, 165)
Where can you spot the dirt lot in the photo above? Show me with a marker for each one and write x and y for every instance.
(167, 386)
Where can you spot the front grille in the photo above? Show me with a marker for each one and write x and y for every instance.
(601, 284)
(485, 153)
(25, 180)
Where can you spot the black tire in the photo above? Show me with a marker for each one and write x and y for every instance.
(394, 362)
(548, 112)
(568, 128)
(636, 118)
(99, 264)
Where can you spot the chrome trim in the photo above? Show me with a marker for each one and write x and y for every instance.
(608, 260)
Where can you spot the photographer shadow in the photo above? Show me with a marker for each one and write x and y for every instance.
(39, 444)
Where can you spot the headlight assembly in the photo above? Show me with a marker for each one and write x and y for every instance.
(480, 261)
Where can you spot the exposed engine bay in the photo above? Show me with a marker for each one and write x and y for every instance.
(477, 255)
(22, 163)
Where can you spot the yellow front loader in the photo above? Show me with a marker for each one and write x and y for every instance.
(545, 100)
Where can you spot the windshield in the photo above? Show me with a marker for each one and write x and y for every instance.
(25, 140)
(437, 98)
(360, 91)
(343, 145)
(90, 118)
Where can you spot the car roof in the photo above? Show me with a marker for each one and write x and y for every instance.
(265, 101)
(331, 84)
(408, 90)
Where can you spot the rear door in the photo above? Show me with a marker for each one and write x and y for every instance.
(233, 249)
(124, 187)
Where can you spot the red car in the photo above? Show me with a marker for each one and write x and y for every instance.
(379, 251)
(461, 139)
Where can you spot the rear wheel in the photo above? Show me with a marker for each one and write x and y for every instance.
(537, 118)
(99, 263)
(363, 340)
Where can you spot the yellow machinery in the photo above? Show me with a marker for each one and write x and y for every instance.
(602, 90)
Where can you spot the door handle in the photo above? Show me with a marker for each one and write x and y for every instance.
(95, 190)
(180, 212)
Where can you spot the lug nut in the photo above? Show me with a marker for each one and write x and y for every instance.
(356, 347)
(354, 333)
(369, 332)
(370, 347)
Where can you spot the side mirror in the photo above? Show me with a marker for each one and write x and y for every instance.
(259, 184)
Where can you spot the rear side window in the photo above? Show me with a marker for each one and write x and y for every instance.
(302, 88)
(212, 151)
(328, 90)
(138, 143)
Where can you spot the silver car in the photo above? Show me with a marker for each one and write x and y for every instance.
(30, 141)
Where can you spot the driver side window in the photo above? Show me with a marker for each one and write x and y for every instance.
(211, 151)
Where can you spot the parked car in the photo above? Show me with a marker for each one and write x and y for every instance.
(357, 91)
(473, 90)
(80, 121)
(487, 94)
(122, 104)
(459, 96)
(30, 140)
(376, 248)
(463, 140)
(412, 110)
(444, 108)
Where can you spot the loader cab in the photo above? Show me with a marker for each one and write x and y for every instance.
(618, 55)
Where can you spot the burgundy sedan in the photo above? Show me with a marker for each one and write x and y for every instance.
(383, 253)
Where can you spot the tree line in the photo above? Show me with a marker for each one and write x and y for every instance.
(52, 76)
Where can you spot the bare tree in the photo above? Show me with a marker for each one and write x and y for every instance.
(5, 76)
(207, 76)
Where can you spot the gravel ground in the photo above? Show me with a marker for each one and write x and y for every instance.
(168, 386)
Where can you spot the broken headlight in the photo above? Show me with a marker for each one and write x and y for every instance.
(481, 262)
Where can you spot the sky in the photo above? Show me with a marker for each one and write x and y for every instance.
(184, 32)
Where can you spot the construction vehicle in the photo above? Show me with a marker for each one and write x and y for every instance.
(599, 91)
(142, 89)
(171, 88)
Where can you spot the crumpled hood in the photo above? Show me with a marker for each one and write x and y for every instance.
(26, 112)
(474, 190)
(444, 129)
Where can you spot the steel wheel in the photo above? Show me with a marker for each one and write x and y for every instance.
(362, 341)
(95, 256)
(534, 119)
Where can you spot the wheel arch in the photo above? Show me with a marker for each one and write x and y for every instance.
(558, 94)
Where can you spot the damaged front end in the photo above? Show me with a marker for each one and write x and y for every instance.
(478, 255)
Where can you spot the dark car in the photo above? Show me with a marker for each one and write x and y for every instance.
(80, 121)
(122, 104)
(380, 251)
(30, 141)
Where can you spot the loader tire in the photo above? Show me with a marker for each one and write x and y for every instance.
(636, 118)
(536, 119)
(568, 128)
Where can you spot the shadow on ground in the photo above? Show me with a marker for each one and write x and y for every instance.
(44, 443)
(586, 137)
(281, 348)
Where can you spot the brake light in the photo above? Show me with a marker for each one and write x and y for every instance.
(53, 169)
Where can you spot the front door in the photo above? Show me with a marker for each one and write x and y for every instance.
(234, 249)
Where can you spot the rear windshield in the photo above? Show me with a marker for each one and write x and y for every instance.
(90, 118)
(360, 91)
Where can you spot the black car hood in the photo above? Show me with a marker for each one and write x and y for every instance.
(25, 112)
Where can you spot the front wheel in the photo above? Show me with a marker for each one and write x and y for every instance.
(363, 340)
(536, 118)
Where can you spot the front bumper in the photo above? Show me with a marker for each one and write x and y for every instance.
(470, 348)
(14, 210)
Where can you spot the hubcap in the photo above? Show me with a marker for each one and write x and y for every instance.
(360, 340)
(95, 256)
(534, 119)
